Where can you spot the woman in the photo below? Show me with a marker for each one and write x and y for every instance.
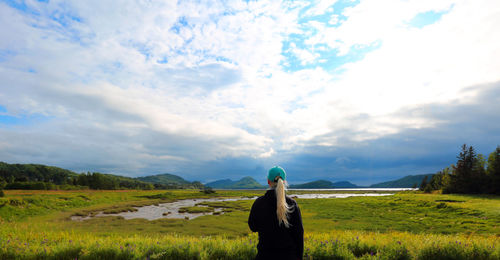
(277, 219)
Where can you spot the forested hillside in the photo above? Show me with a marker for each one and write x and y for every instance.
(244, 183)
(170, 181)
(323, 184)
(42, 177)
(410, 181)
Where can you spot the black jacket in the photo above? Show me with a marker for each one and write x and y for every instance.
(276, 241)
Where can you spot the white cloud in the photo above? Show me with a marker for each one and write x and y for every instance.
(223, 91)
(433, 64)
(305, 56)
(412, 66)
(320, 7)
(371, 21)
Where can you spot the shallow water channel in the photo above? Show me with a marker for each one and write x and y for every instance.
(171, 209)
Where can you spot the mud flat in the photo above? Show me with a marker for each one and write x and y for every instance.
(174, 209)
(166, 210)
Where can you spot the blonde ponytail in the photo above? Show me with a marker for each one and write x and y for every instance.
(282, 207)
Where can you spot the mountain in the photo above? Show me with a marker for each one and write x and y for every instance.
(323, 184)
(244, 183)
(164, 178)
(248, 183)
(220, 183)
(405, 182)
(344, 184)
(170, 181)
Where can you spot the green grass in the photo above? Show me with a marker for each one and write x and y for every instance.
(37, 225)
(414, 213)
(232, 224)
(19, 205)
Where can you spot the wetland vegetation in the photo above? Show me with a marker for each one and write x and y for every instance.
(407, 225)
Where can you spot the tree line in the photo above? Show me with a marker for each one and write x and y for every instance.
(42, 177)
(472, 174)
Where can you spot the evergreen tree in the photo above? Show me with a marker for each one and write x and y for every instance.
(462, 172)
(3, 183)
(423, 184)
(437, 181)
(493, 171)
(469, 174)
(478, 179)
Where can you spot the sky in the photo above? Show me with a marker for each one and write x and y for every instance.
(364, 91)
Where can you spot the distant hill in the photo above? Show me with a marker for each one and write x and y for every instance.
(164, 178)
(34, 173)
(323, 184)
(220, 183)
(42, 177)
(170, 181)
(405, 182)
(244, 183)
(344, 184)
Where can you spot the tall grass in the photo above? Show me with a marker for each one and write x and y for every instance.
(22, 242)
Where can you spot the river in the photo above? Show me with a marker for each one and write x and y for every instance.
(171, 209)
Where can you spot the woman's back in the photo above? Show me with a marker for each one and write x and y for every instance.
(277, 240)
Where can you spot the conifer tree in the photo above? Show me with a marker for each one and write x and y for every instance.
(493, 171)
(462, 171)
(423, 184)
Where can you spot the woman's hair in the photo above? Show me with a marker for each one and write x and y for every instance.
(282, 208)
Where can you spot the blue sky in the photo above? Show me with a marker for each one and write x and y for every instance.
(364, 91)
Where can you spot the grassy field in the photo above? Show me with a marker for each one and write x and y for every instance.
(37, 225)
